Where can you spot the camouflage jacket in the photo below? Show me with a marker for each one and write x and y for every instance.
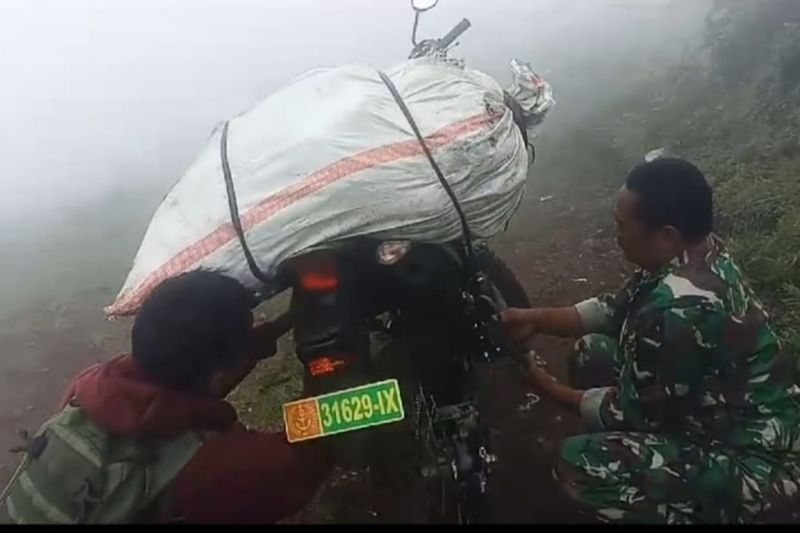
(697, 358)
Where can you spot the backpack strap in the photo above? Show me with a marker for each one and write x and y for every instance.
(29, 447)
(17, 473)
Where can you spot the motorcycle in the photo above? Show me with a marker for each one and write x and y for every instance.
(393, 337)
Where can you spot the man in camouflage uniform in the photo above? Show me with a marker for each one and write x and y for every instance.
(690, 401)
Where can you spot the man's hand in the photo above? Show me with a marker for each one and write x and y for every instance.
(265, 340)
(519, 325)
(549, 386)
(540, 378)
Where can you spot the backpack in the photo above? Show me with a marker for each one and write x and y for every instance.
(73, 472)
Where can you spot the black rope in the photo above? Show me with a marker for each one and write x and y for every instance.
(519, 115)
(436, 169)
(234, 207)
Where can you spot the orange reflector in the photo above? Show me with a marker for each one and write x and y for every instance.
(324, 365)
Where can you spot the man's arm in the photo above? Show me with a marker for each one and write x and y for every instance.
(266, 335)
(249, 477)
(549, 386)
(558, 321)
(602, 314)
(584, 403)
(606, 313)
(595, 315)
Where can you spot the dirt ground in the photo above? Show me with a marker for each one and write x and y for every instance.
(562, 250)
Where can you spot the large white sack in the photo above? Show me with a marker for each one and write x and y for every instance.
(331, 156)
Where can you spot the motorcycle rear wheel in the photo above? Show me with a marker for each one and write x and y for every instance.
(469, 502)
(448, 501)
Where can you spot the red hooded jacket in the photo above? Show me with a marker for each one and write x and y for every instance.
(237, 476)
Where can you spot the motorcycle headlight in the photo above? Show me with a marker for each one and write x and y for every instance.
(390, 252)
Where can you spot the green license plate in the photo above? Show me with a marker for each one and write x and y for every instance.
(347, 410)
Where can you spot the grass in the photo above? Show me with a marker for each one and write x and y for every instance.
(275, 381)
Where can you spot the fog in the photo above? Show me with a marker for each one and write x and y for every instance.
(104, 103)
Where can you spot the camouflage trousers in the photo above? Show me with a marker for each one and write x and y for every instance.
(647, 478)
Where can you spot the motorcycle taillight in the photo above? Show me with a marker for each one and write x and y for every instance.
(319, 281)
(319, 274)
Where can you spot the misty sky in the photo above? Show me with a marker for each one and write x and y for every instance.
(112, 95)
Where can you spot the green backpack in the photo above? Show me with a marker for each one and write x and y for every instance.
(73, 472)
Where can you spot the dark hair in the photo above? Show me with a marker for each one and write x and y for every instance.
(673, 192)
(191, 326)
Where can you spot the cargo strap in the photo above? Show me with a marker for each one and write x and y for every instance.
(446, 186)
(233, 206)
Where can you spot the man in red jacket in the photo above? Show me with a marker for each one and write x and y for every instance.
(192, 342)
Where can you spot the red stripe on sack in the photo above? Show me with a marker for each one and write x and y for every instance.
(128, 302)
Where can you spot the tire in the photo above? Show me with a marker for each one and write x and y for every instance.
(503, 279)
(476, 508)
(507, 284)
(469, 505)
(393, 448)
